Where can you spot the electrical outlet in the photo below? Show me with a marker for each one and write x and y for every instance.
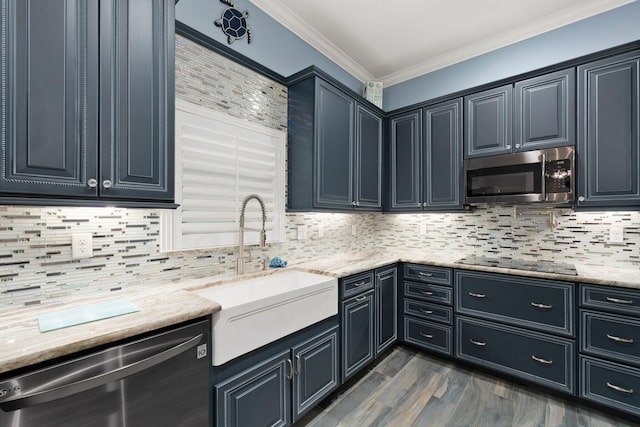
(423, 229)
(354, 230)
(81, 245)
(321, 230)
(616, 234)
(302, 232)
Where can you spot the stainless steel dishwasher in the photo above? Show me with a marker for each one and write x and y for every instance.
(160, 380)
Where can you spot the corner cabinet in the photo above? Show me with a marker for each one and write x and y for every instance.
(608, 149)
(426, 159)
(334, 149)
(88, 114)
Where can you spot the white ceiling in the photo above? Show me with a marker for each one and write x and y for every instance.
(392, 41)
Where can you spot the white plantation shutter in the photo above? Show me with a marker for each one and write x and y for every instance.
(220, 160)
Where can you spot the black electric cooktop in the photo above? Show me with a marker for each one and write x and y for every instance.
(521, 264)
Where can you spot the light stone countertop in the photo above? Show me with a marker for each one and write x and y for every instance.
(22, 344)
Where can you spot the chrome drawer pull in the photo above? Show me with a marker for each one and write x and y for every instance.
(425, 274)
(478, 343)
(357, 285)
(426, 292)
(360, 299)
(620, 389)
(422, 310)
(544, 306)
(543, 361)
(620, 301)
(475, 295)
(428, 336)
(290, 374)
(618, 339)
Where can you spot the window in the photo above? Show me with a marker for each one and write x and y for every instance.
(220, 160)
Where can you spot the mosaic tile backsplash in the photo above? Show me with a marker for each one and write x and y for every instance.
(36, 266)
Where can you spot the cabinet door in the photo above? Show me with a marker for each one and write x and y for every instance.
(358, 347)
(488, 122)
(256, 397)
(545, 111)
(334, 148)
(442, 162)
(48, 124)
(386, 308)
(316, 369)
(368, 179)
(137, 99)
(406, 140)
(608, 149)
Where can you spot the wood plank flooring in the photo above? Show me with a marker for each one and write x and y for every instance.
(410, 388)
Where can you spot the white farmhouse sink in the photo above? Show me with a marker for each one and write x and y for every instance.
(258, 311)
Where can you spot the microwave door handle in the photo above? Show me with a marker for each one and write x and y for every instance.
(543, 159)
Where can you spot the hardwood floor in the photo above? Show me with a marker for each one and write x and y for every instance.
(409, 388)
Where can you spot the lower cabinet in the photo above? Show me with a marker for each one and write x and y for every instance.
(368, 316)
(610, 347)
(279, 390)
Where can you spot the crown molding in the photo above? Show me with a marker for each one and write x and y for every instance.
(281, 13)
(483, 46)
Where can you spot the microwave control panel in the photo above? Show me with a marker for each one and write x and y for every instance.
(558, 176)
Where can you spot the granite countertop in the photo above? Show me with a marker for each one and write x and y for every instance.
(167, 304)
(23, 344)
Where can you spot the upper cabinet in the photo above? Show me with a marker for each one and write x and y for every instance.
(608, 148)
(544, 111)
(488, 122)
(426, 158)
(334, 149)
(89, 101)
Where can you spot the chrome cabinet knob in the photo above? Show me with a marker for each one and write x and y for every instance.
(353, 203)
(517, 145)
(581, 199)
(106, 183)
(508, 147)
(92, 183)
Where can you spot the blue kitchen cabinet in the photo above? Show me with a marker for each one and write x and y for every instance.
(425, 159)
(608, 148)
(487, 121)
(386, 314)
(545, 111)
(279, 383)
(334, 149)
(89, 114)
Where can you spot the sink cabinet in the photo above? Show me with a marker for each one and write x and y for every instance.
(278, 384)
(334, 149)
(89, 113)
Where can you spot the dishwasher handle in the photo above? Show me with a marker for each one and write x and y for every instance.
(44, 396)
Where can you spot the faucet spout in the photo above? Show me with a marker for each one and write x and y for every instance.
(263, 234)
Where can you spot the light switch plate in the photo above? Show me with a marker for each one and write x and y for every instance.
(354, 230)
(423, 229)
(302, 232)
(320, 230)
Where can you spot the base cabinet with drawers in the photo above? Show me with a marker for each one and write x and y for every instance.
(427, 315)
(368, 311)
(277, 385)
(610, 347)
(520, 326)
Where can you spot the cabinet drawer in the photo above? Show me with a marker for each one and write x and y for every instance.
(536, 357)
(610, 384)
(434, 312)
(625, 301)
(428, 292)
(538, 304)
(358, 283)
(615, 337)
(428, 274)
(431, 336)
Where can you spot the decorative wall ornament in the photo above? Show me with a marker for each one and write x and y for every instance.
(233, 23)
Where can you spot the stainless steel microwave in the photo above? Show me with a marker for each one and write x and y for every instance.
(540, 176)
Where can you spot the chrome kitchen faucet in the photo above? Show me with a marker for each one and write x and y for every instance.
(263, 233)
